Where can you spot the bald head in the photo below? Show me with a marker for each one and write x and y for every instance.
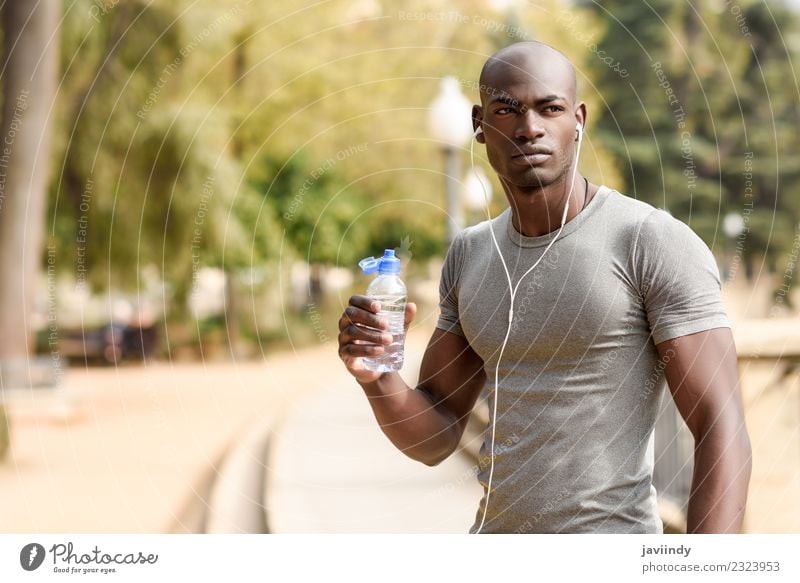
(525, 63)
(529, 117)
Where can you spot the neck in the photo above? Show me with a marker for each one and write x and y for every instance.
(538, 211)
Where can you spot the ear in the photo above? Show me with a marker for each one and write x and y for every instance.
(477, 122)
(581, 115)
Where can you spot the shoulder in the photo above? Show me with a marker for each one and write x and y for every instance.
(644, 225)
(458, 255)
(669, 251)
(628, 214)
(661, 231)
(479, 233)
(619, 219)
(634, 208)
(476, 239)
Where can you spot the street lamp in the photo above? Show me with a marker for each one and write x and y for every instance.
(449, 124)
(733, 224)
(477, 191)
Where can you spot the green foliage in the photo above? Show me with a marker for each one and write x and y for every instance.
(160, 103)
(705, 124)
(316, 208)
(145, 174)
(228, 133)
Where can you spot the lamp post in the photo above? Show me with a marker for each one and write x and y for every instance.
(477, 191)
(733, 224)
(449, 123)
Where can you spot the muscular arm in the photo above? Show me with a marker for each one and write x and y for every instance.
(425, 423)
(702, 377)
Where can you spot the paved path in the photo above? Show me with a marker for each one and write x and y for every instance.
(144, 438)
(141, 440)
(335, 471)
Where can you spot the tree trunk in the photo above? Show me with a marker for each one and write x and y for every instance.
(29, 87)
(231, 316)
(5, 435)
(315, 291)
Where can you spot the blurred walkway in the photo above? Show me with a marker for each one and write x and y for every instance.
(145, 444)
(147, 441)
(333, 470)
(142, 440)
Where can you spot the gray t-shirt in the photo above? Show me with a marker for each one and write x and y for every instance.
(580, 379)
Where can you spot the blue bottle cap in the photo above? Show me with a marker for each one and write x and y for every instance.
(388, 264)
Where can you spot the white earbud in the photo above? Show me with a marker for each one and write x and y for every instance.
(579, 129)
(477, 132)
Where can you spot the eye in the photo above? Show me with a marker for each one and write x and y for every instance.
(503, 111)
(554, 108)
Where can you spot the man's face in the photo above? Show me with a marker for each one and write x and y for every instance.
(529, 118)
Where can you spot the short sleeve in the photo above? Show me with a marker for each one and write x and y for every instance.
(678, 279)
(449, 286)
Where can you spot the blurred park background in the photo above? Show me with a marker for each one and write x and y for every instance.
(186, 188)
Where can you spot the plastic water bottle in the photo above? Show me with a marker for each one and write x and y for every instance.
(390, 291)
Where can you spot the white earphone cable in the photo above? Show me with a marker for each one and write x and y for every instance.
(513, 289)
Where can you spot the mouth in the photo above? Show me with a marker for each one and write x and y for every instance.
(531, 156)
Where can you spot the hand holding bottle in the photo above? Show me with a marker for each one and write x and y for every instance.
(364, 333)
(373, 327)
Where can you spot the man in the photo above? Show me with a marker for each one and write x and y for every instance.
(626, 296)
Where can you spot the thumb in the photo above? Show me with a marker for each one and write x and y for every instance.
(411, 311)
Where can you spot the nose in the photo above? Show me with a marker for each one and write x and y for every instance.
(529, 126)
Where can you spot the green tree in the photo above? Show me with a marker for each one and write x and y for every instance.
(147, 172)
(705, 110)
(318, 211)
(174, 113)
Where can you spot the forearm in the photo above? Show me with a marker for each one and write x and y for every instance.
(410, 420)
(722, 467)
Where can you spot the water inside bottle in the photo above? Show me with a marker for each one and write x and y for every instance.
(392, 309)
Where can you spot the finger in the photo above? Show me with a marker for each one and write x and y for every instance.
(351, 350)
(355, 333)
(365, 303)
(355, 315)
